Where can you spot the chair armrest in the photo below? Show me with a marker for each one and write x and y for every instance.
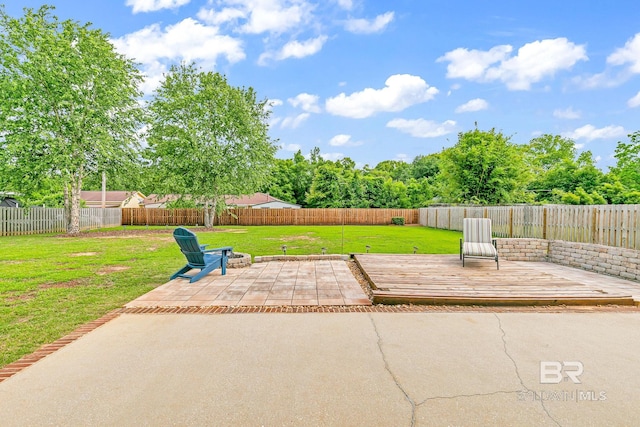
(222, 249)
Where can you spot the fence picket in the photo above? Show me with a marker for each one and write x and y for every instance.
(15, 221)
(611, 225)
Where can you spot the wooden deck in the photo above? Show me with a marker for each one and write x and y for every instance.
(441, 279)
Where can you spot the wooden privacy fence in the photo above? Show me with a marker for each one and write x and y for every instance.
(249, 216)
(148, 216)
(16, 221)
(611, 225)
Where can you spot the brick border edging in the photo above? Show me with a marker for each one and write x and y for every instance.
(13, 368)
(24, 362)
(326, 257)
(380, 308)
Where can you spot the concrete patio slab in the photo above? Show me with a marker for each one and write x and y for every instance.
(337, 369)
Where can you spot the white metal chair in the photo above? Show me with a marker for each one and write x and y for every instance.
(476, 240)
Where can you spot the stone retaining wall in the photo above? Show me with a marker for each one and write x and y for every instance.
(624, 263)
(523, 249)
(619, 262)
(239, 260)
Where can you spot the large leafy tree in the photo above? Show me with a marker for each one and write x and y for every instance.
(484, 167)
(547, 151)
(207, 138)
(627, 168)
(68, 105)
(279, 182)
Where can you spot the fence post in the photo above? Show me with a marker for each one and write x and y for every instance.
(511, 222)
(594, 225)
(544, 222)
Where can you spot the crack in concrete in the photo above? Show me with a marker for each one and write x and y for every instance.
(515, 366)
(415, 405)
(393, 376)
(457, 396)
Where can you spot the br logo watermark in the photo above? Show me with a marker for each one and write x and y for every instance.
(556, 372)
(552, 372)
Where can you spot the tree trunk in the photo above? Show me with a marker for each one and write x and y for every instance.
(209, 214)
(67, 207)
(74, 220)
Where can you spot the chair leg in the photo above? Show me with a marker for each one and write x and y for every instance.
(497, 264)
(179, 272)
(206, 270)
(462, 256)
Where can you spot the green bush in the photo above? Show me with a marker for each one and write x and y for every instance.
(397, 220)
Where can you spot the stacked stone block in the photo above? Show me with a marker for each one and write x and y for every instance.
(523, 249)
(619, 262)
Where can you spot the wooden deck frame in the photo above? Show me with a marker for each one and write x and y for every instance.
(441, 280)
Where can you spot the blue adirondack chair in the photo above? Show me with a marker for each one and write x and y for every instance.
(198, 257)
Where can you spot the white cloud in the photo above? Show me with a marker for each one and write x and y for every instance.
(477, 104)
(294, 121)
(422, 128)
(473, 64)
(567, 113)
(307, 102)
(635, 101)
(590, 132)
(345, 4)
(401, 157)
(275, 102)
(153, 5)
(604, 79)
(332, 156)
(629, 54)
(227, 14)
(186, 41)
(578, 146)
(294, 49)
(291, 147)
(260, 16)
(611, 77)
(364, 26)
(401, 91)
(154, 74)
(533, 62)
(342, 140)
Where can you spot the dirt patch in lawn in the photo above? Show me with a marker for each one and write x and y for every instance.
(84, 254)
(112, 269)
(293, 238)
(68, 284)
(26, 296)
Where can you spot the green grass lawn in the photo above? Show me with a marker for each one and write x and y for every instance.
(49, 284)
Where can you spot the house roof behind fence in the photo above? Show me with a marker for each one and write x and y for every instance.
(250, 199)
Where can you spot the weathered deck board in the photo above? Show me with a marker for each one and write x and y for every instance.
(441, 279)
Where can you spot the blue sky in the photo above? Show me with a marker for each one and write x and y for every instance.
(382, 80)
